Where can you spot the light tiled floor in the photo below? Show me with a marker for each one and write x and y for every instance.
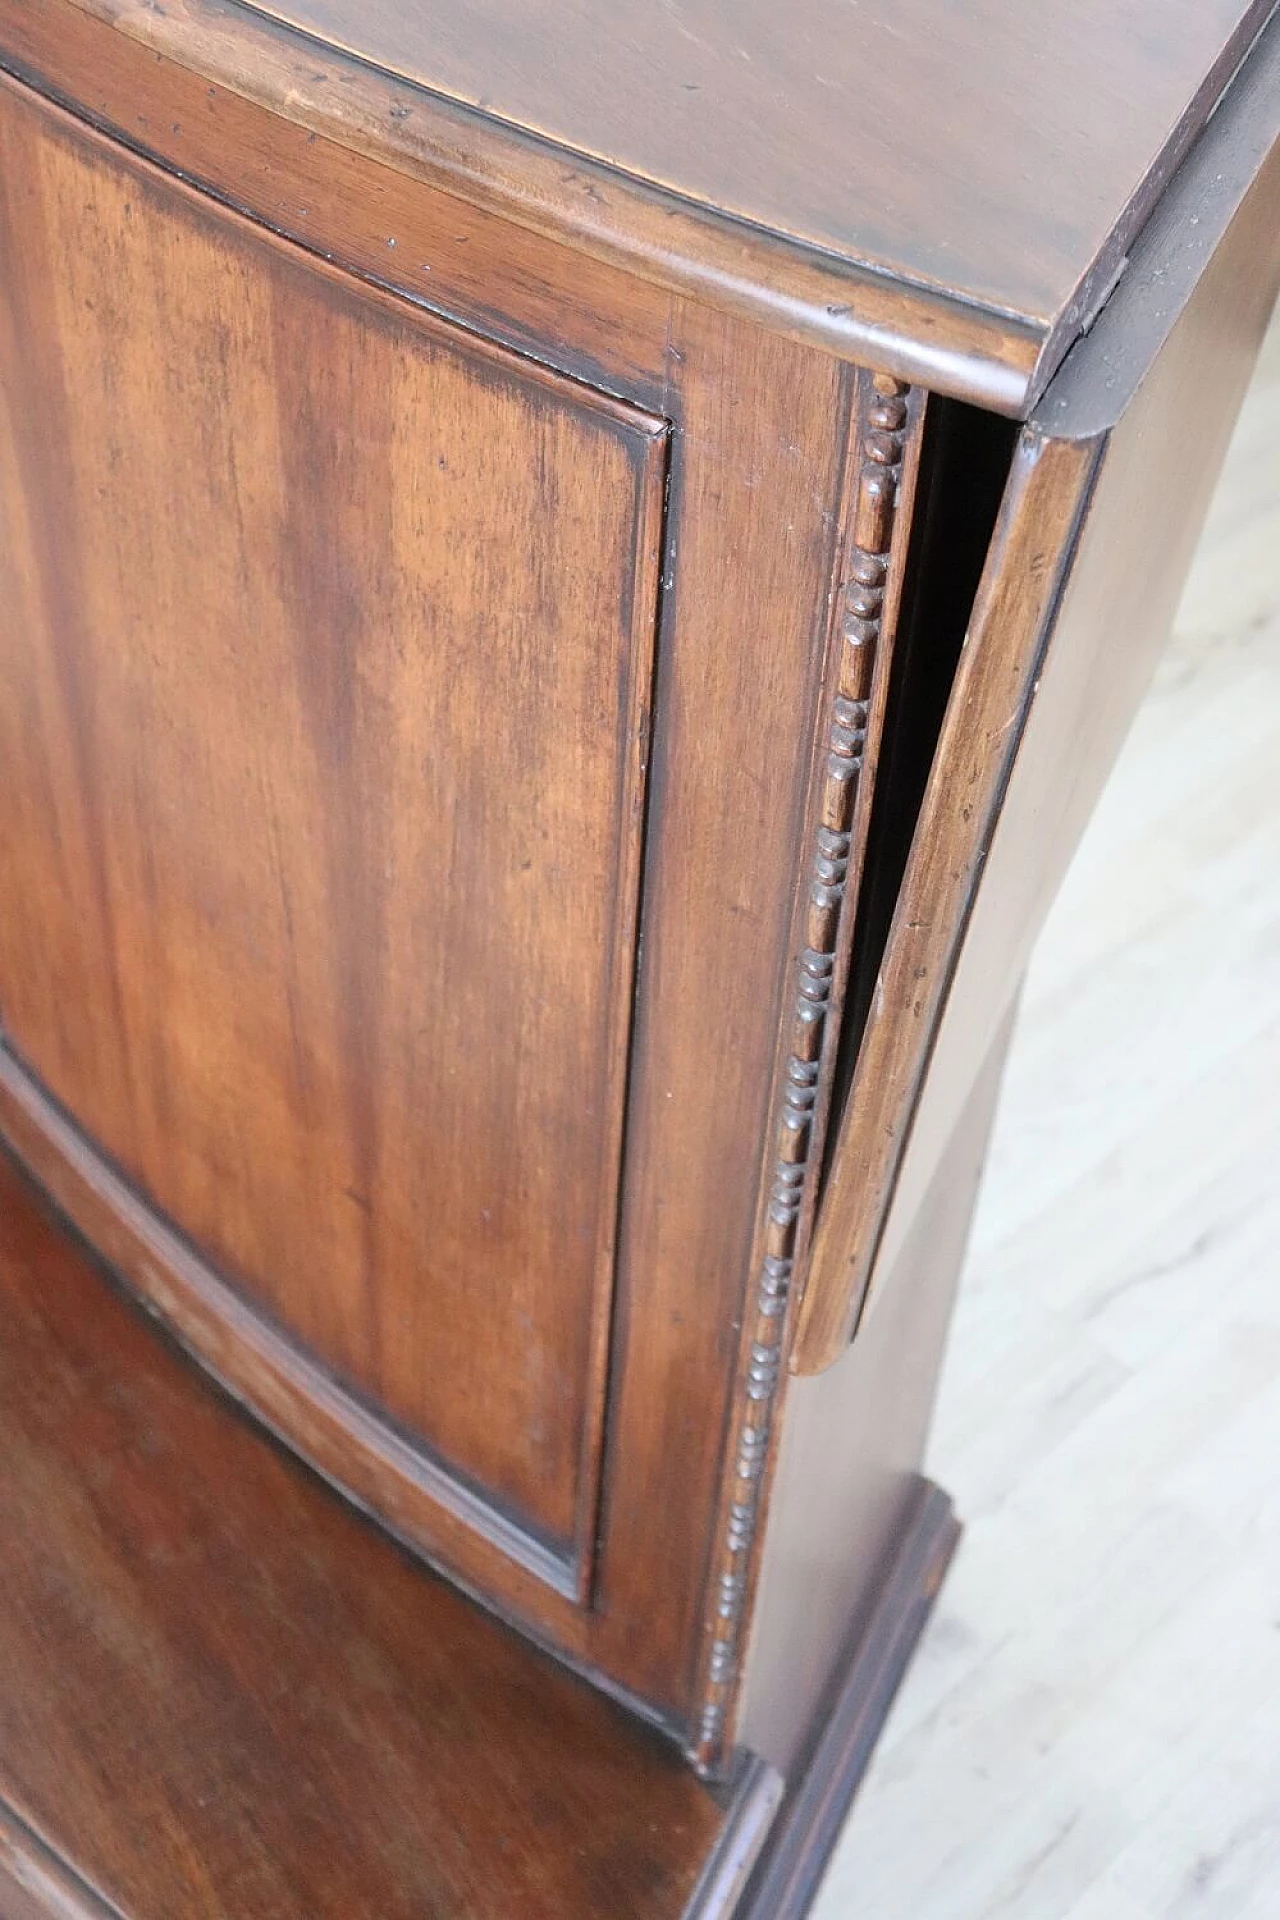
(1092, 1727)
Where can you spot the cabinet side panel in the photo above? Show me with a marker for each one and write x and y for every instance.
(324, 679)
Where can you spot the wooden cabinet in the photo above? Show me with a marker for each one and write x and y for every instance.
(564, 598)
(321, 919)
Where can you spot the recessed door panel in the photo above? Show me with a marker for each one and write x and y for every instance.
(325, 650)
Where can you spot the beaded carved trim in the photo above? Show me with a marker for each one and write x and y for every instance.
(881, 431)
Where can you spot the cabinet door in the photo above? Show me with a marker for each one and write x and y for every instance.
(325, 650)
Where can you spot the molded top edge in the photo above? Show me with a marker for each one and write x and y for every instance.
(944, 191)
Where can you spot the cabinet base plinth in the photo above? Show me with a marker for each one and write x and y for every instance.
(808, 1824)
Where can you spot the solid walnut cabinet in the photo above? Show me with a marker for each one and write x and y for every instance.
(565, 597)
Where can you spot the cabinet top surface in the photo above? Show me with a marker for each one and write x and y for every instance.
(998, 152)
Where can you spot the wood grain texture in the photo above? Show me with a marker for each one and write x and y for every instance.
(809, 296)
(222, 1692)
(376, 219)
(353, 1445)
(755, 460)
(906, 327)
(327, 673)
(222, 784)
(1061, 645)
(756, 467)
(808, 123)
